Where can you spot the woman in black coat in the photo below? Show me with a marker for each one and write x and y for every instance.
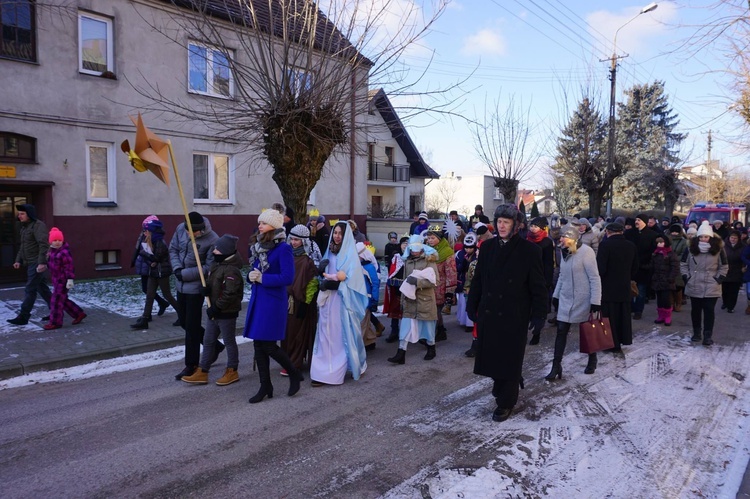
(730, 286)
(539, 236)
(665, 268)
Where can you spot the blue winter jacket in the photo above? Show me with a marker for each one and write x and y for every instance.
(268, 305)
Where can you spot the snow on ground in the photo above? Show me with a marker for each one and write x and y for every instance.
(669, 419)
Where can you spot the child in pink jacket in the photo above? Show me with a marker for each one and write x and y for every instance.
(60, 264)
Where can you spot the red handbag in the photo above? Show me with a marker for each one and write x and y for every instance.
(596, 334)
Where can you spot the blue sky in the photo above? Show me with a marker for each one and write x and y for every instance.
(537, 51)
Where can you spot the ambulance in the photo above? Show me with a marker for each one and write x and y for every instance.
(726, 212)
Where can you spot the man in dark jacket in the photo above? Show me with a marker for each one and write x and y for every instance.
(32, 253)
(644, 239)
(617, 260)
(507, 293)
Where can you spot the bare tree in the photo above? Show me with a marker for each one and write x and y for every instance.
(501, 140)
(446, 191)
(297, 77)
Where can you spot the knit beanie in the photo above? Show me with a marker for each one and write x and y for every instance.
(692, 231)
(227, 244)
(147, 220)
(675, 228)
(643, 218)
(154, 225)
(470, 241)
(300, 232)
(196, 221)
(272, 217)
(423, 216)
(571, 233)
(540, 222)
(55, 234)
(705, 229)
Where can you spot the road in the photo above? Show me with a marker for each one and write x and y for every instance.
(668, 419)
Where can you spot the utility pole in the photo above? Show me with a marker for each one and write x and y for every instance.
(709, 180)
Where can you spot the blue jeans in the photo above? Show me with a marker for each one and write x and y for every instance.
(639, 302)
(36, 283)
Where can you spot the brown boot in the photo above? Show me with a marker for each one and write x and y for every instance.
(747, 310)
(199, 377)
(230, 376)
(677, 300)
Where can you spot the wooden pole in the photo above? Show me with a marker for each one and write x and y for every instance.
(187, 219)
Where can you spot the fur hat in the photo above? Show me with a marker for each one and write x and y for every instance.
(55, 234)
(227, 244)
(147, 220)
(540, 222)
(705, 229)
(470, 241)
(675, 228)
(570, 232)
(196, 221)
(272, 217)
(300, 232)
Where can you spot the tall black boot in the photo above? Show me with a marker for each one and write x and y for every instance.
(591, 366)
(707, 340)
(393, 336)
(560, 341)
(472, 351)
(264, 373)
(430, 352)
(399, 358)
(280, 356)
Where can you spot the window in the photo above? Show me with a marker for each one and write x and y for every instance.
(17, 148)
(209, 71)
(300, 81)
(100, 172)
(95, 46)
(107, 260)
(212, 178)
(389, 156)
(18, 26)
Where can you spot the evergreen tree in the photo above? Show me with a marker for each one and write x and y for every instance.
(582, 154)
(534, 210)
(522, 208)
(648, 149)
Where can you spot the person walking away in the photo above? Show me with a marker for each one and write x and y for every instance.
(143, 268)
(538, 235)
(154, 254)
(506, 293)
(224, 288)
(617, 261)
(272, 271)
(665, 267)
(644, 239)
(342, 301)
(730, 286)
(704, 266)
(578, 294)
(188, 283)
(32, 252)
(60, 263)
(418, 299)
(392, 299)
(679, 246)
(302, 316)
(372, 284)
(446, 285)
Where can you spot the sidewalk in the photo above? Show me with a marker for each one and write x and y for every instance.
(102, 335)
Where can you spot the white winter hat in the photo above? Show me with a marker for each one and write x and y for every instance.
(272, 217)
(705, 229)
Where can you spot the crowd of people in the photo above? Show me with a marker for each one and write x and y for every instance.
(315, 288)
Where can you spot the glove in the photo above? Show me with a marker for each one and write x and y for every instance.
(595, 308)
(205, 291)
(555, 303)
(322, 266)
(69, 284)
(178, 274)
(719, 278)
(211, 312)
(301, 311)
(373, 307)
(255, 276)
(536, 324)
(685, 278)
(412, 280)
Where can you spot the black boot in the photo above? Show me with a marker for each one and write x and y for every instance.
(141, 323)
(430, 352)
(280, 356)
(20, 320)
(591, 366)
(555, 372)
(472, 351)
(399, 358)
(163, 305)
(707, 338)
(561, 339)
(696, 335)
(534, 339)
(440, 333)
(501, 414)
(264, 373)
(188, 371)
(393, 337)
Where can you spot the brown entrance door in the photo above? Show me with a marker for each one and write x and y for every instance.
(9, 236)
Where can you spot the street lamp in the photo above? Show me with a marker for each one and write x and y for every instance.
(613, 78)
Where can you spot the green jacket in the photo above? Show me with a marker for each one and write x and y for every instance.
(34, 243)
(226, 286)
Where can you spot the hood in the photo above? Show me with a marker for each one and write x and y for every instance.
(30, 210)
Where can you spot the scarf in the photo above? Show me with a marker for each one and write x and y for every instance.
(298, 251)
(704, 247)
(538, 237)
(261, 249)
(662, 251)
(444, 250)
(421, 228)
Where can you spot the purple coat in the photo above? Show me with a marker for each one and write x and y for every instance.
(267, 309)
(60, 263)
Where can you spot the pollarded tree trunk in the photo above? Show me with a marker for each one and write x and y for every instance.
(508, 187)
(595, 202)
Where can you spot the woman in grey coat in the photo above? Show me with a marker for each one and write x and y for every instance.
(704, 266)
(578, 293)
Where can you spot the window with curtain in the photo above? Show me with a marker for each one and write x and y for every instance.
(18, 30)
(100, 171)
(95, 44)
(212, 178)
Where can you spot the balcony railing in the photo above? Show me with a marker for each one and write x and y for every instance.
(388, 173)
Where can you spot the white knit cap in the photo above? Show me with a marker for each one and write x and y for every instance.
(272, 217)
(705, 229)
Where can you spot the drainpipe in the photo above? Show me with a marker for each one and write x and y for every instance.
(352, 145)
